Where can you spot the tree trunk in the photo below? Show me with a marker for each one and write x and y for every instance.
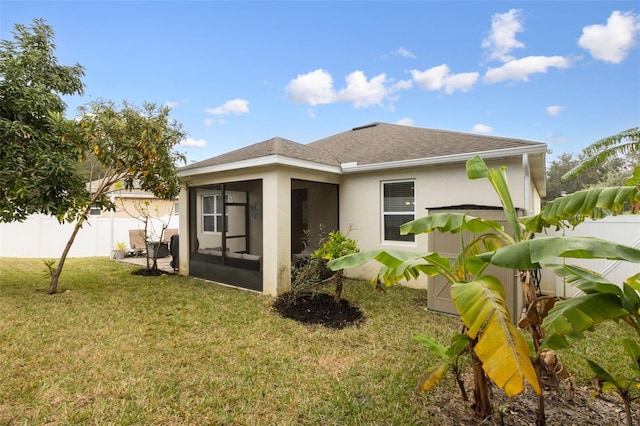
(460, 382)
(537, 333)
(627, 407)
(541, 417)
(339, 279)
(53, 284)
(482, 404)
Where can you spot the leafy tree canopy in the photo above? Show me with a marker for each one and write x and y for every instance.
(37, 167)
(614, 171)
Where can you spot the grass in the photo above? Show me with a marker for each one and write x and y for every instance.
(113, 348)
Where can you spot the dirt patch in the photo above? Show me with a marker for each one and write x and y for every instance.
(583, 408)
(318, 308)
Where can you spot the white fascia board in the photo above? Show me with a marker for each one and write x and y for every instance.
(269, 160)
(444, 159)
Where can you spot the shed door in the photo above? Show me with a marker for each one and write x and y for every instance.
(449, 245)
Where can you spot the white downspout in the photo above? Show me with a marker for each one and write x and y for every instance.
(527, 184)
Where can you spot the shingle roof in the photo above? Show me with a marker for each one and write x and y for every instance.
(274, 146)
(382, 143)
(374, 143)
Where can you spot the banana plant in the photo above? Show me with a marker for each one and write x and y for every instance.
(449, 359)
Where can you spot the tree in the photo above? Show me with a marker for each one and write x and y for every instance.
(37, 172)
(131, 145)
(557, 186)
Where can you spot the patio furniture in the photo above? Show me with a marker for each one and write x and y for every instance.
(137, 242)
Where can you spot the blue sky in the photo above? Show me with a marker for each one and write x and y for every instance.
(566, 73)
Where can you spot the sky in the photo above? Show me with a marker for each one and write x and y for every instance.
(566, 73)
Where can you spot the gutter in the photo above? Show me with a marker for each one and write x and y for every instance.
(269, 160)
(348, 168)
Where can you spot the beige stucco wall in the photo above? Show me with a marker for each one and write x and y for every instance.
(435, 186)
(130, 207)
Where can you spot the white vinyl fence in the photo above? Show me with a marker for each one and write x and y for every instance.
(623, 229)
(43, 237)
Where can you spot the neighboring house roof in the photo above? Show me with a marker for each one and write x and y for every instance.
(119, 191)
(377, 146)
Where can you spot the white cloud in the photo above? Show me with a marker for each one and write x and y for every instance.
(432, 78)
(401, 85)
(405, 122)
(611, 42)
(231, 107)
(502, 37)
(173, 104)
(460, 82)
(520, 69)
(439, 77)
(363, 92)
(482, 128)
(199, 143)
(314, 88)
(404, 53)
(554, 109)
(311, 113)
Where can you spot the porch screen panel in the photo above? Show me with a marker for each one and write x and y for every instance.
(398, 208)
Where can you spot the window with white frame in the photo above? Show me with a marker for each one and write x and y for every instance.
(398, 207)
(212, 209)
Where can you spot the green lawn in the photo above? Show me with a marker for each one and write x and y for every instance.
(113, 348)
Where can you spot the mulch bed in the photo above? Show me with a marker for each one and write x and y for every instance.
(318, 308)
(149, 272)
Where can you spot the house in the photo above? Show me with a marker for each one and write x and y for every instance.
(244, 213)
(138, 204)
(128, 202)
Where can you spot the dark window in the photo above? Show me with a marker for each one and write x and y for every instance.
(398, 207)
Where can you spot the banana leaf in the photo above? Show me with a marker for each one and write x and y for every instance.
(397, 264)
(572, 317)
(573, 209)
(450, 222)
(501, 347)
(432, 377)
(476, 169)
(586, 280)
(528, 254)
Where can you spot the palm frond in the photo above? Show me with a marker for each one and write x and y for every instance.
(604, 149)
